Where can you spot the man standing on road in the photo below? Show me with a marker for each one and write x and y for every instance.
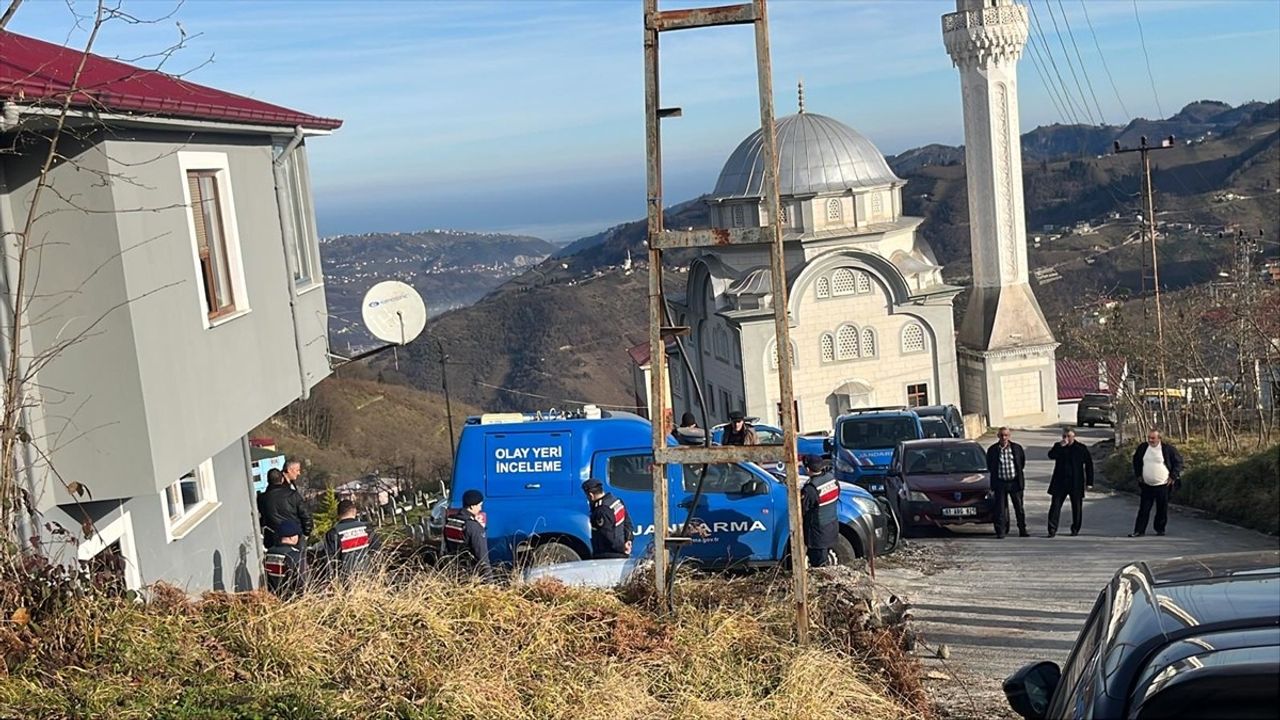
(1158, 466)
(611, 530)
(279, 504)
(739, 432)
(1005, 462)
(464, 536)
(1072, 473)
(818, 511)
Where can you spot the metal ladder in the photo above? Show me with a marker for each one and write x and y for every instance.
(657, 22)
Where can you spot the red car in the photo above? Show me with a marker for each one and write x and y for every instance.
(944, 481)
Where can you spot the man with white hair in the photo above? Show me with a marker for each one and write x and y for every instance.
(1157, 465)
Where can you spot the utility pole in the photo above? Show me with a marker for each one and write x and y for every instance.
(448, 404)
(1150, 207)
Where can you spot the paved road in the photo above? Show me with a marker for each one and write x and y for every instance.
(1003, 603)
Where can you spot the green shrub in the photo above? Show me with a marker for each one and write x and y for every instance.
(1243, 489)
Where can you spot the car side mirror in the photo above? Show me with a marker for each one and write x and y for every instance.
(828, 446)
(754, 487)
(1030, 689)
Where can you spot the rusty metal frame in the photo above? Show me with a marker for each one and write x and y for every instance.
(655, 23)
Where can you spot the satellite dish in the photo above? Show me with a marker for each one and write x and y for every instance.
(394, 312)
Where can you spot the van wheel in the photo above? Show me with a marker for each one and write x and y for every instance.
(552, 553)
(845, 552)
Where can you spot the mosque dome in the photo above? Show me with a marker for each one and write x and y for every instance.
(816, 154)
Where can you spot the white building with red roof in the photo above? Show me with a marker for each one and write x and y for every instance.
(171, 300)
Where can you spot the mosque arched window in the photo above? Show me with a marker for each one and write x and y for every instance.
(913, 338)
(827, 347)
(834, 211)
(737, 216)
(773, 355)
(867, 347)
(846, 342)
(843, 283)
(863, 283)
(823, 288)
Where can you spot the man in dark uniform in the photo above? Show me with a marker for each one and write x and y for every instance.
(464, 538)
(279, 504)
(1005, 462)
(818, 507)
(738, 432)
(611, 530)
(1072, 473)
(283, 562)
(350, 542)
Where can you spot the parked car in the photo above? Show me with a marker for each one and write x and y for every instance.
(806, 444)
(945, 482)
(950, 415)
(1188, 637)
(1094, 409)
(935, 427)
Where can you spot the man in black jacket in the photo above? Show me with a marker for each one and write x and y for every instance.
(611, 529)
(464, 536)
(1072, 473)
(350, 542)
(279, 504)
(1157, 466)
(818, 499)
(1005, 462)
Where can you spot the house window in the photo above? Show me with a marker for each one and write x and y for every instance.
(863, 283)
(913, 338)
(843, 283)
(868, 344)
(737, 216)
(833, 210)
(823, 288)
(211, 242)
(827, 347)
(918, 395)
(736, 347)
(190, 499)
(782, 213)
(726, 400)
(711, 398)
(297, 188)
(847, 342)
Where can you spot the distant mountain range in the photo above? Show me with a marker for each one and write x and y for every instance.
(450, 268)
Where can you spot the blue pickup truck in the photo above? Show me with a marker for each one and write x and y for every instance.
(530, 468)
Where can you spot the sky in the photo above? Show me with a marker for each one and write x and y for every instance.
(528, 115)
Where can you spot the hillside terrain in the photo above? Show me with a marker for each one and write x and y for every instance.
(450, 268)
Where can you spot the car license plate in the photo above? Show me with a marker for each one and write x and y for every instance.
(875, 487)
(960, 511)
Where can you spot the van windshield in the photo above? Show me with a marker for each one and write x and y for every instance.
(877, 433)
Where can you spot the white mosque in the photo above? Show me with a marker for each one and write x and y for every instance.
(871, 317)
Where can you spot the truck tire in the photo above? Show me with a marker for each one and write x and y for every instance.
(846, 554)
(552, 553)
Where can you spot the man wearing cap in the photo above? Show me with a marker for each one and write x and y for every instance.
(739, 432)
(283, 561)
(611, 530)
(818, 511)
(350, 542)
(464, 538)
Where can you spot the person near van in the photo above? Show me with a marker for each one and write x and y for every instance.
(611, 529)
(1072, 473)
(1005, 462)
(818, 511)
(688, 433)
(739, 432)
(280, 504)
(350, 542)
(1157, 465)
(283, 562)
(464, 538)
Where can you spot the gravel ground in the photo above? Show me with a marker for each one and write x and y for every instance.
(991, 606)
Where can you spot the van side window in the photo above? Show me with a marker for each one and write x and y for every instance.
(722, 479)
(631, 472)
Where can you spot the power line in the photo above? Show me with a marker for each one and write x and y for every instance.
(1070, 65)
(1042, 72)
(1105, 68)
(1088, 81)
(1150, 76)
(1062, 85)
(570, 401)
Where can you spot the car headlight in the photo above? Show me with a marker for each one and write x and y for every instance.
(867, 505)
(917, 496)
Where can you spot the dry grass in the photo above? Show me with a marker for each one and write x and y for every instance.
(431, 647)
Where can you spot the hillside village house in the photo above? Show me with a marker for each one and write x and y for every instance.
(175, 263)
(872, 320)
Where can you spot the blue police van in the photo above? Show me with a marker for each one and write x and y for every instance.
(530, 467)
(864, 440)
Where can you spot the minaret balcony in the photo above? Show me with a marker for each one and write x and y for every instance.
(990, 34)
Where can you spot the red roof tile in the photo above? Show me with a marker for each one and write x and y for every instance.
(33, 70)
(1076, 378)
